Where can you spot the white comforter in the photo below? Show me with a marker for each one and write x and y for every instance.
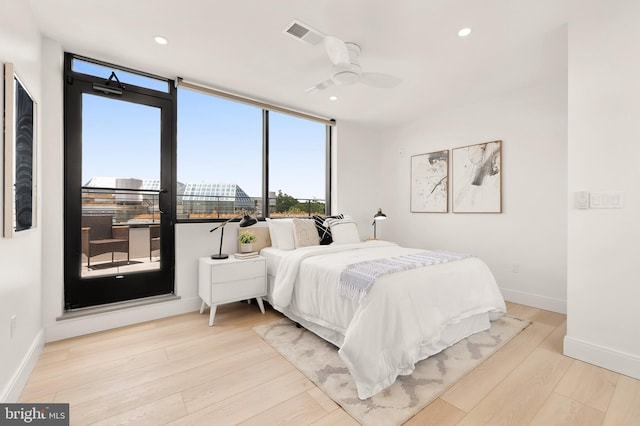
(402, 316)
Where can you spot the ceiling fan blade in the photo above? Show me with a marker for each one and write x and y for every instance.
(320, 86)
(381, 81)
(337, 50)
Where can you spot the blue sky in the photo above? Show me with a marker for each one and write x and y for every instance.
(219, 141)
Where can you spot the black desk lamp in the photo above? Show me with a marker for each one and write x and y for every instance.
(378, 216)
(246, 221)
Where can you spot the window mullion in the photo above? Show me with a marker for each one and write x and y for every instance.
(265, 163)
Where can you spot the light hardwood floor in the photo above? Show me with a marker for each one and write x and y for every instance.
(179, 371)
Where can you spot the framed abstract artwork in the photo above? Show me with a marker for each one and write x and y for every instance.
(477, 178)
(19, 154)
(429, 182)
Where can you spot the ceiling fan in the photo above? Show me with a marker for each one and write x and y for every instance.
(345, 68)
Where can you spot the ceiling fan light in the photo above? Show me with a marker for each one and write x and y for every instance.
(345, 74)
(345, 77)
(160, 40)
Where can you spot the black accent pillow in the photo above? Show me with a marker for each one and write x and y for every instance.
(325, 232)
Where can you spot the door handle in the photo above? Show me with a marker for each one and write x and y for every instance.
(162, 191)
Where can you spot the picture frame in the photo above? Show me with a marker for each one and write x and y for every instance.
(477, 178)
(19, 154)
(430, 182)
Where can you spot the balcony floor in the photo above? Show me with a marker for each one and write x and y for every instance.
(119, 266)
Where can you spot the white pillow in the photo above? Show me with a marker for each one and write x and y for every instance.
(281, 233)
(331, 220)
(345, 232)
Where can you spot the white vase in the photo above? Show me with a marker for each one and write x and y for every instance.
(246, 247)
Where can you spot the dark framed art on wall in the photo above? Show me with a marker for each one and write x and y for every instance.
(19, 154)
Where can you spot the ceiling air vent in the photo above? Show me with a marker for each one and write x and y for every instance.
(303, 32)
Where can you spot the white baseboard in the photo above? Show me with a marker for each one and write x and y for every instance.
(66, 328)
(12, 390)
(541, 302)
(620, 362)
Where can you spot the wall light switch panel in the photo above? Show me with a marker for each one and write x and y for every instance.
(12, 326)
(606, 200)
(582, 200)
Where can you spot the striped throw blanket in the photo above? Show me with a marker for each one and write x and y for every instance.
(357, 279)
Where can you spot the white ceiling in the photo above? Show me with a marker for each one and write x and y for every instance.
(238, 46)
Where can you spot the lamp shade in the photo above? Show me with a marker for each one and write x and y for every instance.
(379, 215)
(247, 221)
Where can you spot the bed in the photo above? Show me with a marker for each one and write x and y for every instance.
(404, 317)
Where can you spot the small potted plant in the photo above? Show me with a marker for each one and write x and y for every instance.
(246, 239)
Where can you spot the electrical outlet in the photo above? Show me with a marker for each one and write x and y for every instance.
(515, 268)
(12, 329)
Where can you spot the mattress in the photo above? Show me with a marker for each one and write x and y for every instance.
(273, 256)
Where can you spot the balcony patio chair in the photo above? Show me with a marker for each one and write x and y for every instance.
(100, 236)
(154, 239)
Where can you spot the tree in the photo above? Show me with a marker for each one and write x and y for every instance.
(311, 207)
(284, 202)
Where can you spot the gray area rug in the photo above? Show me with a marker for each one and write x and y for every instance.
(320, 362)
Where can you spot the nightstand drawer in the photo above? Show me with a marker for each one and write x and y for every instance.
(238, 271)
(238, 290)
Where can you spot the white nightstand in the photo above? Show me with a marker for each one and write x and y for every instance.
(231, 280)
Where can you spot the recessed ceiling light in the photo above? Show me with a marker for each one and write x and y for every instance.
(160, 40)
(333, 98)
(464, 32)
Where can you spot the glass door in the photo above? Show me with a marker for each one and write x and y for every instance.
(118, 186)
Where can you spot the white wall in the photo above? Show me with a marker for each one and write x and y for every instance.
(530, 234)
(20, 283)
(357, 175)
(604, 148)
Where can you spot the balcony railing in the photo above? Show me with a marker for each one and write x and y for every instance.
(128, 206)
(131, 206)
